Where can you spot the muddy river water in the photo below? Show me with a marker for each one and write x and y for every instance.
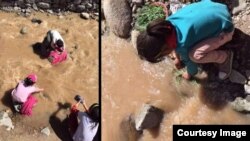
(128, 82)
(78, 75)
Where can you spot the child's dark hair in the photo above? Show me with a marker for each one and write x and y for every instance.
(59, 43)
(94, 112)
(28, 82)
(150, 43)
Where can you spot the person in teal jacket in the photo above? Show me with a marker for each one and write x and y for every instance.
(194, 33)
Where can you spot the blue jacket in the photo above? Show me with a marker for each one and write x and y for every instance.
(196, 22)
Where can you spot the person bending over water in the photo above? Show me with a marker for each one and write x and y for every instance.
(53, 47)
(22, 95)
(194, 33)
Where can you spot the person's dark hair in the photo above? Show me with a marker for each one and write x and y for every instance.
(94, 112)
(59, 43)
(28, 82)
(150, 43)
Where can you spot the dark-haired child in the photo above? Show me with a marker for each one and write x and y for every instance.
(195, 32)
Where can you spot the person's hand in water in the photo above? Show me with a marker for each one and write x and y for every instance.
(178, 64)
(186, 76)
(177, 61)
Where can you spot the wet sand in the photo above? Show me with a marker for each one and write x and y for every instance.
(128, 82)
(78, 75)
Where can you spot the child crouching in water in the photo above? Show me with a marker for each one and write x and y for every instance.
(22, 95)
(193, 33)
(53, 47)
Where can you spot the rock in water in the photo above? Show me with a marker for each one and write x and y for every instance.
(247, 88)
(118, 14)
(5, 120)
(237, 77)
(240, 104)
(84, 15)
(24, 30)
(148, 117)
(46, 131)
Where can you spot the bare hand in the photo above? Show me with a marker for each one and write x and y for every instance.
(178, 64)
(186, 76)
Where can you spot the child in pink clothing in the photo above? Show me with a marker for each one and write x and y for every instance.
(23, 91)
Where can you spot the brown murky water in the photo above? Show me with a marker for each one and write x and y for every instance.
(128, 82)
(78, 75)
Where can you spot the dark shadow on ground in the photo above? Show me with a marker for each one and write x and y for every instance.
(154, 131)
(216, 93)
(37, 50)
(60, 127)
(7, 100)
(128, 131)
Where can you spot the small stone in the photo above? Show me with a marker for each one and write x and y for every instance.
(88, 5)
(77, 1)
(50, 11)
(46, 131)
(248, 98)
(27, 14)
(28, 11)
(76, 46)
(134, 9)
(138, 2)
(61, 17)
(24, 30)
(80, 8)
(247, 88)
(28, 5)
(34, 7)
(84, 15)
(35, 20)
(43, 5)
(237, 77)
(16, 8)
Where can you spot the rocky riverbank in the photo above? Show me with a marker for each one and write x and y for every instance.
(88, 9)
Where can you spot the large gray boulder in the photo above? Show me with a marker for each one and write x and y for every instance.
(148, 117)
(119, 16)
